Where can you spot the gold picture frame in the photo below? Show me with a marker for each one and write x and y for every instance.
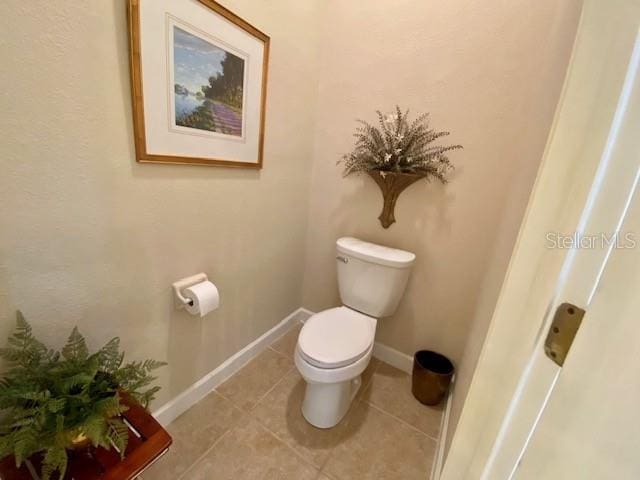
(221, 120)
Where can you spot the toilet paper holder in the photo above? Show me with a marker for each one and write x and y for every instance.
(178, 286)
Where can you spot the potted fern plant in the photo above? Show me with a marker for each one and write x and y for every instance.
(396, 154)
(53, 402)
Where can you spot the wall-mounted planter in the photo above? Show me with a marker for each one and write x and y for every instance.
(391, 185)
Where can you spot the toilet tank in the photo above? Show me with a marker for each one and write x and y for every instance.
(372, 278)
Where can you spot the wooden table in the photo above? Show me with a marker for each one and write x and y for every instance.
(148, 441)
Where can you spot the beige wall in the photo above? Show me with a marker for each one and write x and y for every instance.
(491, 73)
(558, 49)
(90, 237)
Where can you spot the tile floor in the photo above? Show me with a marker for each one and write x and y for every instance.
(251, 427)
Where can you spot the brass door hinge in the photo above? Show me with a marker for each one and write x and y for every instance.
(566, 323)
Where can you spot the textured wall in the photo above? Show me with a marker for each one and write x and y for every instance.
(491, 73)
(90, 237)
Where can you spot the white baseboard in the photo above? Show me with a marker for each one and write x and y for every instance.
(393, 357)
(307, 313)
(438, 463)
(196, 392)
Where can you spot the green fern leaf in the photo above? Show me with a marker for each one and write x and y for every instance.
(26, 443)
(55, 459)
(110, 358)
(76, 347)
(6, 446)
(75, 382)
(95, 428)
(48, 398)
(56, 404)
(110, 406)
(118, 434)
(150, 365)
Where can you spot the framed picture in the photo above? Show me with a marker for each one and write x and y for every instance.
(199, 77)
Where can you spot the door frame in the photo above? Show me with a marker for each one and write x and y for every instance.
(568, 175)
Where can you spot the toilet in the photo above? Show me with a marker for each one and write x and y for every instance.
(335, 346)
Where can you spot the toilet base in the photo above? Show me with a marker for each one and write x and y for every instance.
(325, 404)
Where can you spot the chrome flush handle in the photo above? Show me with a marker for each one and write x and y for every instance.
(342, 259)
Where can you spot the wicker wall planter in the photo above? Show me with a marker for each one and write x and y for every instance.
(391, 185)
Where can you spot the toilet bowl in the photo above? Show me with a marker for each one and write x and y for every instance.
(335, 346)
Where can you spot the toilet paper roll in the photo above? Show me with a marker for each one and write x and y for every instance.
(205, 298)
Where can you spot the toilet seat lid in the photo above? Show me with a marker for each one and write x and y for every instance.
(336, 337)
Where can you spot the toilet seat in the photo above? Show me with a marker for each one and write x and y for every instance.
(336, 338)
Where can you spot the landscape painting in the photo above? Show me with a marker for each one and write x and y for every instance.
(208, 85)
(198, 84)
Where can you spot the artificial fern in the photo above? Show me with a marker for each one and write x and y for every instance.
(49, 398)
(400, 147)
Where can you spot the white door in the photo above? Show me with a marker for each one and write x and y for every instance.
(524, 416)
(582, 421)
(590, 427)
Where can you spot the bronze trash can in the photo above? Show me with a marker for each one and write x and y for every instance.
(431, 377)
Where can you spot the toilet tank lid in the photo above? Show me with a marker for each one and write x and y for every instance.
(371, 252)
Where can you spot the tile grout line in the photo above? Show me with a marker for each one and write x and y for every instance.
(269, 347)
(359, 398)
(262, 397)
(330, 476)
(365, 386)
(381, 410)
(250, 414)
(266, 393)
(293, 450)
(197, 460)
(285, 444)
(319, 469)
(295, 324)
(266, 428)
